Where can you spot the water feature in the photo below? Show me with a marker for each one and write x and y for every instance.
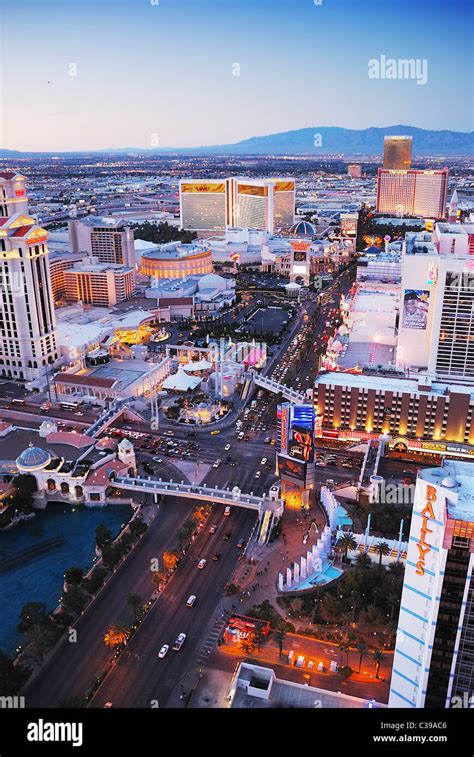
(40, 550)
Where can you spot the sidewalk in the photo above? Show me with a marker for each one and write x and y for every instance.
(257, 576)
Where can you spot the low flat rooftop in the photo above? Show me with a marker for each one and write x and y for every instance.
(366, 353)
(388, 383)
(459, 497)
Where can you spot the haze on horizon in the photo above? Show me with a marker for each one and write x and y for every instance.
(101, 74)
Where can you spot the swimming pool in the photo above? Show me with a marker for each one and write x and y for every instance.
(328, 574)
(39, 578)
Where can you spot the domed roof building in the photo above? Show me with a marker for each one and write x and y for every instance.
(302, 229)
(33, 459)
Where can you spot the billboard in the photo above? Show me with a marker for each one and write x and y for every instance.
(301, 444)
(299, 257)
(207, 186)
(415, 308)
(292, 470)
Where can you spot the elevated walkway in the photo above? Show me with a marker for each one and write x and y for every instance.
(203, 493)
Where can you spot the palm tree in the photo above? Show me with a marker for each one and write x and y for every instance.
(377, 656)
(280, 638)
(363, 650)
(170, 561)
(363, 560)
(382, 550)
(331, 609)
(247, 645)
(135, 603)
(343, 647)
(158, 579)
(116, 635)
(345, 543)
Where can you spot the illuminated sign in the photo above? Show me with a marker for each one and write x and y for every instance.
(218, 188)
(299, 269)
(39, 239)
(301, 444)
(292, 470)
(432, 275)
(250, 189)
(284, 427)
(427, 514)
(284, 186)
(299, 257)
(19, 192)
(302, 415)
(300, 245)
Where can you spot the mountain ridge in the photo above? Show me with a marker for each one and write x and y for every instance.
(309, 140)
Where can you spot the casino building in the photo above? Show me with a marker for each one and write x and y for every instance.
(434, 655)
(214, 204)
(176, 261)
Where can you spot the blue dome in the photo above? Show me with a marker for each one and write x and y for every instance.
(32, 458)
(303, 229)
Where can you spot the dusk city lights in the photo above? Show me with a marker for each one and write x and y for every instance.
(236, 375)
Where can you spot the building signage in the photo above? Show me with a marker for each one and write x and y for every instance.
(427, 514)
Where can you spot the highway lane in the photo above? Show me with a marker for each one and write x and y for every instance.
(140, 678)
(73, 666)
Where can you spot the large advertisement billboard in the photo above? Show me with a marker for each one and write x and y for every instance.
(415, 308)
(301, 444)
(292, 470)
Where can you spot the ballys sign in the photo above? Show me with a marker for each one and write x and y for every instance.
(427, 515)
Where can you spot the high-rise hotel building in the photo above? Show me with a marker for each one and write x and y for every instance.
(27, 320)
(412, 192)
(397, 152)
(109, 240)
(214, 205)
(433, 664)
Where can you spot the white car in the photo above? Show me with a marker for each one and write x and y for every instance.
(179, 642)
(216, 464)
(263, 461)
(258, 474)
(191, 600)
(202, 563)
(163, 651)
(157, 460)
(227, 447)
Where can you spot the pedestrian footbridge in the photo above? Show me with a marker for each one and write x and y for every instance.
(267, 502)
(297, 398)
(110, 416)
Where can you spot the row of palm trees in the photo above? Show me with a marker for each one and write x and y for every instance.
(348, 543)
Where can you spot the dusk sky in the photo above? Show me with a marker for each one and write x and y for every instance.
(166, 69)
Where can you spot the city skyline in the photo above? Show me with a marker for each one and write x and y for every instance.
(152, 81)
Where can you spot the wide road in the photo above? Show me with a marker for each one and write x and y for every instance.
(140, 678)
(74, 666)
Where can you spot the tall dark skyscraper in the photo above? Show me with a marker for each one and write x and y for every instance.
(397, 153)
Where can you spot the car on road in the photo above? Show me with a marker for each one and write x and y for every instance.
(216, 431)
(202, 563)
(227, 535)
(163, 651)
(240, 435)
(228, 510)
(273, 442)
(227, 447)
(216, 557)
(191, 600)
(263, 461)
(268, 439)
(258, 474)
(240, 544)
(217, 463)
(213, 529)
(179, 642)
(107, 705)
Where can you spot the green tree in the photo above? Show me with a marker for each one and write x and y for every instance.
(382, 549)
(103, 536)
(73, 575)
(346, 543)
(135, 603)
(74, 599)
(32, 614)
(363, 651)
(377, 656)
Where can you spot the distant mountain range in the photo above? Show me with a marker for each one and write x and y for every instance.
(312, 140)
